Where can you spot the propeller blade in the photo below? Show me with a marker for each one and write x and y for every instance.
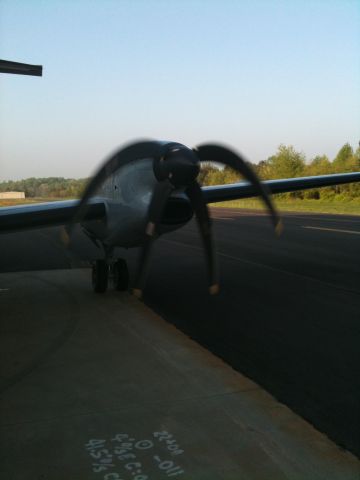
(135, 151)
(156, 208)
(220, 154)
(204, 221)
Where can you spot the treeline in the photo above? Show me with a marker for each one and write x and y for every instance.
(289, 163)
(51, 187)
(286, 163)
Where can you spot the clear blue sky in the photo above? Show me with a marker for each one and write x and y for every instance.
(252, 74)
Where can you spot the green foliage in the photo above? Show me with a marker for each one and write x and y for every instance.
(350, 207)
(288, 163)
(210, 174)
(57, 187)
(344, 159)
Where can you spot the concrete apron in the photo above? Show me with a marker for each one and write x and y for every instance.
(99, 387)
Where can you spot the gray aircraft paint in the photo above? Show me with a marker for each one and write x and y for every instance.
(127, 194)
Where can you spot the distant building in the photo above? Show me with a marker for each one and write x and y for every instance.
(11, 195)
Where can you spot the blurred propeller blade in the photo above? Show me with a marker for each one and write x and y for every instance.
(220, 154)
(133, 152)
(204, 221)
(159, 198)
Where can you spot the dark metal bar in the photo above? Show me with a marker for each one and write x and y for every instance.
(20, 68)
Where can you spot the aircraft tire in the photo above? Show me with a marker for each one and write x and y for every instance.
(121, 275)
(100, 275)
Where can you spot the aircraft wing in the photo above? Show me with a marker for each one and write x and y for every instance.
(234, 191)
(42, 248)
(49, 214)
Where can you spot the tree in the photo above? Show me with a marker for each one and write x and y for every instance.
(346, 161)
(213, 175)
(287, 163)
(263, 169)
(320, 165)
(207, 169)
(343, 160)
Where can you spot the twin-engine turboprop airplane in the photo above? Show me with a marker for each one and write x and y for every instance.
(145, 190)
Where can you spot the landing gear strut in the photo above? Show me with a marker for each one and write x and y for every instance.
(100, 276)
(120, 274)
(118, 270)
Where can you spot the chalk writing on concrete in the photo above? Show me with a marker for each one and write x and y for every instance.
(124, 457)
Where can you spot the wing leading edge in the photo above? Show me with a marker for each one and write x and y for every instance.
(38, 215)
(234, 191)
(49, 214)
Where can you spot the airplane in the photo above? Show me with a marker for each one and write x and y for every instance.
(149, 188)
(145, 190)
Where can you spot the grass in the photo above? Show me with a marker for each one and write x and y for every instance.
(26, 201)
(351, 207)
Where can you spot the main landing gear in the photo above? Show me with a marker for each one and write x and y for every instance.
(117, 271)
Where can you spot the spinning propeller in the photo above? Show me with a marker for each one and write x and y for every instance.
(176, 167)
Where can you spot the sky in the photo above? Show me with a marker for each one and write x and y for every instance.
(250, 74)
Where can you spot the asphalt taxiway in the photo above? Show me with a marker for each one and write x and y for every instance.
(99, 387)
(288, 313)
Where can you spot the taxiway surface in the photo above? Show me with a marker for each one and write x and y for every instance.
(288, 314)
(99, 387)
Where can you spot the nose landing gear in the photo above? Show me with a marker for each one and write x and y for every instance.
(100, 276)
(117, 270)
(120, 274)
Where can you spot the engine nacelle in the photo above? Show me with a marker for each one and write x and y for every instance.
(127, 194)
